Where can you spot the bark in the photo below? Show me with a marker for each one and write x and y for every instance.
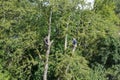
(48, 48)
(66, 38)
(74, 48)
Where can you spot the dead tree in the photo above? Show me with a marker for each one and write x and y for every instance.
(66, 38)
(74, 43)
(48, 47)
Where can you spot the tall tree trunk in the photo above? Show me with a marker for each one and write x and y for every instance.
(48, 48)
(68, 66)
(66, 38)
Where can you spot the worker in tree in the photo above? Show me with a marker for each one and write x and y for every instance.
(46, 40)
(74, 41)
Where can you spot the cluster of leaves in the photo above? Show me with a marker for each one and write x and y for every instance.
(24, 25)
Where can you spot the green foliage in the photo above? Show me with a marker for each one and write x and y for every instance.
(98, 73)
(72, 67)
(24, 25)
(117, 9)
(114, 72)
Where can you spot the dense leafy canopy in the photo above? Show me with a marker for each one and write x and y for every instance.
(24, 24)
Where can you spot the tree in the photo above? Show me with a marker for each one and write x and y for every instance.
(36, 40)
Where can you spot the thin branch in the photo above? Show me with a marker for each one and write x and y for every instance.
(37, 51)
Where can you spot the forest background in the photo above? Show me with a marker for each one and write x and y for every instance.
(59, 40)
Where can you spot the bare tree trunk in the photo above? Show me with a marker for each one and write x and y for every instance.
(74, 48)
(46, 64)
(68, 66)
(48, 48)
(66, 41)
(66, 38)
